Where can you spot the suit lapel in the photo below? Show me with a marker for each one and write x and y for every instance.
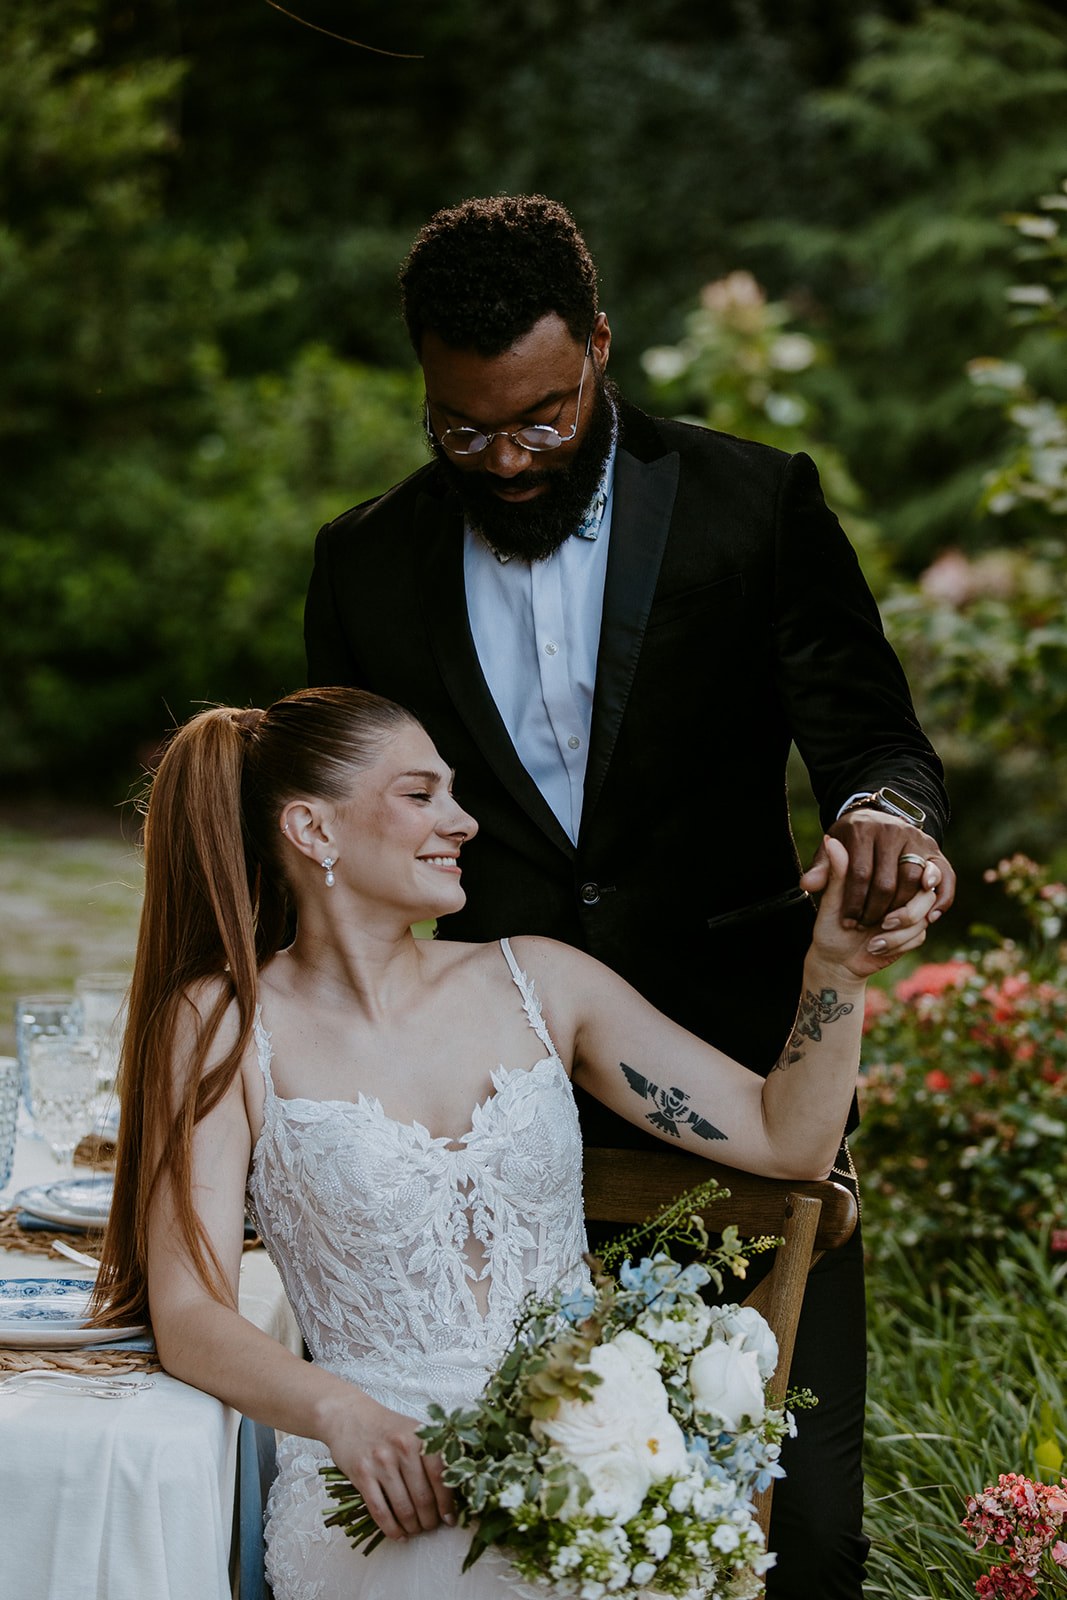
(439, 533)
(642, 504)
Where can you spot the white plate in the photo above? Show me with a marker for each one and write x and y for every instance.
(49, 1314)
(70, 1202)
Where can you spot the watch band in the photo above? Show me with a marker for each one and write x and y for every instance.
(892, 802)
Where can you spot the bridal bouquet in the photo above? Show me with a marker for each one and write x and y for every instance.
(617, 1447)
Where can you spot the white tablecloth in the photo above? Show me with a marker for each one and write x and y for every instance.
(121, 1499)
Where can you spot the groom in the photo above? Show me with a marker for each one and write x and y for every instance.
(614, 626)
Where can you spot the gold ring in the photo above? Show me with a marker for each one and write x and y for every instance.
(916, 861)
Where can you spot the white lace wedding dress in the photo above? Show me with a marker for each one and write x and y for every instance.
(380, 1233)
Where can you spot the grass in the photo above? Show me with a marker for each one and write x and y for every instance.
(67, 905)
(966, 1381)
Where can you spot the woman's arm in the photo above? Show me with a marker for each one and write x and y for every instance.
(210, 1345)
(688, 1093)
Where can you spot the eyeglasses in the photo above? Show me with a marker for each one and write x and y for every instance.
(537, 436)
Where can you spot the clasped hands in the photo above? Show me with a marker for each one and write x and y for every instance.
(896, 879)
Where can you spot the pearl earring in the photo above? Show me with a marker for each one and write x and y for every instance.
(327, 863)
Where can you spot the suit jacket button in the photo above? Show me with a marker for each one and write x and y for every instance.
(590, 893)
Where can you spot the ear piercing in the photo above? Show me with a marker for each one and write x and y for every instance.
(327, 865)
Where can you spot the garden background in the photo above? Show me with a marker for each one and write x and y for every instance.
(834, 225)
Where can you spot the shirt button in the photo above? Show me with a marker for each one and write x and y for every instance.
(573, 742)
(590, 893)
(551, 648)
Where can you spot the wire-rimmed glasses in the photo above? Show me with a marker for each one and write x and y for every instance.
(535, 436)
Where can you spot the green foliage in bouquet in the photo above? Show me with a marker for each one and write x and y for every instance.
(964, 1091)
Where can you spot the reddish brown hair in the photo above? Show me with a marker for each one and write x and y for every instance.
(216, 907)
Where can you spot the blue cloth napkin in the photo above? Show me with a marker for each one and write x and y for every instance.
(32, 1224)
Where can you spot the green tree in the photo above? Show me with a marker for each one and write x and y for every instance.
(944, 119)
(155, 513)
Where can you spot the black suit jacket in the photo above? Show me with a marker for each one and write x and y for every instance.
(735, 620)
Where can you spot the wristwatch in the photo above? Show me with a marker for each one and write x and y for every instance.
(891, 801)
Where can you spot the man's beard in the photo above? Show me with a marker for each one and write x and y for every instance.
(535, 529)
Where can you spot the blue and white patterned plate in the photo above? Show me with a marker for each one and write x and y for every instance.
(70, 1202)
(49, 1314)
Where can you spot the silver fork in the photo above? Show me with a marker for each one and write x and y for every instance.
(96, 1387)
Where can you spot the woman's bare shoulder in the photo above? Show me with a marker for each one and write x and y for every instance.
(200, 1005)
(565, 963)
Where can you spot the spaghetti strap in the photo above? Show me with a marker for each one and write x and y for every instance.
(264, 1051)
(530, 1003)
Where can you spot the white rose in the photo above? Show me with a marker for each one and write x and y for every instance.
(619, 1479)
(642, 1356)
(756, 1335)
(627, 1412)
(590, 1427)
(725, 1380)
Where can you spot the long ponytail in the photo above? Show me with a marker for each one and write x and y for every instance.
(216, 907)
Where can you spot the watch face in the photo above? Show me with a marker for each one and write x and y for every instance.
(906, 808)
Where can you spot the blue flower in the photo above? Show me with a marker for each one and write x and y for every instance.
(766, 1476)
(660, 1280)
(577, 1305)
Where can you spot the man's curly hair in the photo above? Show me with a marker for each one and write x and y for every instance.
(480, 274)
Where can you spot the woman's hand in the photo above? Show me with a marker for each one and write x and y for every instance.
(378, 1452)
(857, 949)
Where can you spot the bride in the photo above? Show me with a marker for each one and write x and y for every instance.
(396, 1112)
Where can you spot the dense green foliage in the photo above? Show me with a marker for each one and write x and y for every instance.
(201, 213)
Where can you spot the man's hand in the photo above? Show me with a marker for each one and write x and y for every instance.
(878, 879)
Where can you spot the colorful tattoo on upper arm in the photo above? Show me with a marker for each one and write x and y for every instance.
(816, 1012)
(672, 1111)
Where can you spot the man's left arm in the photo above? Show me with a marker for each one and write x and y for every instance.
(850, 711)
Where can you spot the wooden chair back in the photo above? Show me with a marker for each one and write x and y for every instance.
(626, 1187)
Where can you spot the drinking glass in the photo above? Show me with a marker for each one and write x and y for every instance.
(103, 996)
(10, 1084)
(52, 1014)
(63, 1091)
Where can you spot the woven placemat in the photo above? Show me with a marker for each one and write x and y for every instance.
(88, 1361)
(39, 1243)
(96, 1152)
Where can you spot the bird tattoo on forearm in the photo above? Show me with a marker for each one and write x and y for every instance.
(672, 1111)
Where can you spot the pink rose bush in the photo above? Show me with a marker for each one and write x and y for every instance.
(963, 1087)
(1024, 1519)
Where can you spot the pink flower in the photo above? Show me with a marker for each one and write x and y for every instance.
(1057, 1500)
(934, 978)
(875, 1004)
(1025, 1517)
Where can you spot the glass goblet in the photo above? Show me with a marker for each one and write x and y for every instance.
(63, 1091)
(10, 1083)
(103, 997)
(42, 1014)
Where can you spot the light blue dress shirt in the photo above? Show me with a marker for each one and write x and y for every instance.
(536, 627)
